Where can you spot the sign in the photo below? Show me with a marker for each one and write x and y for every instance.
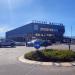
(48, 29)
(37, 44)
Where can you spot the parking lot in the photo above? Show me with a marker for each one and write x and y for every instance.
(10, 65)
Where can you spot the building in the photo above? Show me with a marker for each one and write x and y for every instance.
(37, 30)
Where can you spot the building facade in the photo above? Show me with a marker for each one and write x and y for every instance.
(44, 31)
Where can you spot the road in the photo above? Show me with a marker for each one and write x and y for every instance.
(9, 64)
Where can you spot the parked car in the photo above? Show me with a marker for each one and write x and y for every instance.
(46, 43)
(42, 43)
(7, 42)
(20, 43)
(30, 43)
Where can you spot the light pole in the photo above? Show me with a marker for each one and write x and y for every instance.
(71, 34)
(70, 42)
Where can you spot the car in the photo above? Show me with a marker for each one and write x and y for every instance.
(20, 43)
(7, 42)
(30, 43)
(42, 43)
(46, 43)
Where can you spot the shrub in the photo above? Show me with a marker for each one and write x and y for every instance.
(51, 55)
(56, 55)
(37, 55)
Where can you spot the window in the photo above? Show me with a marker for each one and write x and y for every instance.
(37, 34)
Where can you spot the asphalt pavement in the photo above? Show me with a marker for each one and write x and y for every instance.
(10, 65)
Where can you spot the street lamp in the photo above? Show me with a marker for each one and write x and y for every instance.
(70, 40)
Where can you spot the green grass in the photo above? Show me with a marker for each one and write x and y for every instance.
(51, 55)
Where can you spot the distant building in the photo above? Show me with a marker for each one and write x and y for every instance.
(69, 40)
(37, 30)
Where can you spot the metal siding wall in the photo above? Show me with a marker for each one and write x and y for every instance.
(29, 28)
(21, 31)
(61, 29)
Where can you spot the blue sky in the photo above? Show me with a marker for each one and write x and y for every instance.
(15, 13)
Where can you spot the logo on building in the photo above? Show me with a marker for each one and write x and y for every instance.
(48, 29)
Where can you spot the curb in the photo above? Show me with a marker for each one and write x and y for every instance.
(62, 64)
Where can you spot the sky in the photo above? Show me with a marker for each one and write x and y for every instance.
(16, 13)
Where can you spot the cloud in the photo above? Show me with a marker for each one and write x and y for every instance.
(4, 28)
